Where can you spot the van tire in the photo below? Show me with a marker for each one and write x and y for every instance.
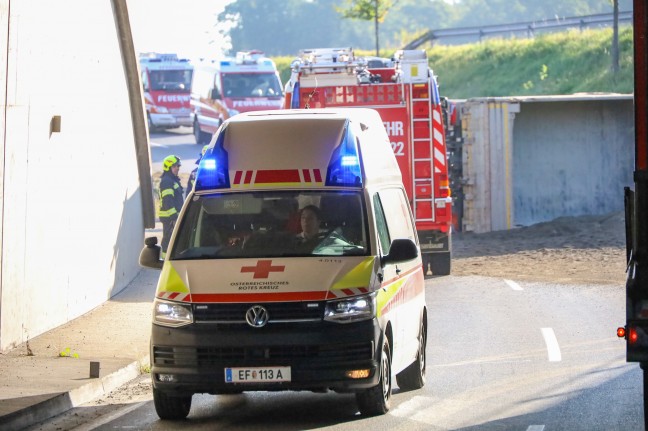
(170, 407)
(376, 401)
(151, 126)
(202, 138)
(440, 263)
(413, 377)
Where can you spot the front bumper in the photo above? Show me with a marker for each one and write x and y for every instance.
(319, 355)
(170, 120)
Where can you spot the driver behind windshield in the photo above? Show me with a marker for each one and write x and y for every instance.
(310, 220)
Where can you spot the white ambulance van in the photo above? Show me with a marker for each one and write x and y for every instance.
(251, 297)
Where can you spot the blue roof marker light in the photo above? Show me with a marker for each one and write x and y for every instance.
(344, 167)
(294, 102)
(213, 170)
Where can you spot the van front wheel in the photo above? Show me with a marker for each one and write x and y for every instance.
(376, 401)
(202, 138)
(413, 377)
(171, 407)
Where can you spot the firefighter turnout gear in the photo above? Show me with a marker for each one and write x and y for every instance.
(171, 199)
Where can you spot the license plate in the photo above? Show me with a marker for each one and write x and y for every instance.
(257, 374)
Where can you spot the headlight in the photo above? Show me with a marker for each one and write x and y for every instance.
(159, 109)
(171, 313)
(232, 112)
(351, 309)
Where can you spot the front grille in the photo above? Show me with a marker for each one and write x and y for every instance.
(273, 355)
(181, 111)
(277, 312)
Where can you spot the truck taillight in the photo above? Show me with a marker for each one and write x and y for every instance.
(444, 186)
(621, 332)
(631, 335)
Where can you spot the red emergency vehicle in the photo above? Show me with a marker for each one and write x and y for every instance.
(404, 91)
(166, 80)
(635, 330)
(223, 88)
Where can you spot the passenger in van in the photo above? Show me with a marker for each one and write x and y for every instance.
(310, 220)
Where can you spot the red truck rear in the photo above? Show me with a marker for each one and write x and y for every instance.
(404, 91)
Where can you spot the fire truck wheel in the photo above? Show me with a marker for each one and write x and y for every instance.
(440, 263)
(376, 401)
(171, 407)
(202, 138)
(413, 377)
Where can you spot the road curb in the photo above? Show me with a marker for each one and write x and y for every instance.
(53, 405)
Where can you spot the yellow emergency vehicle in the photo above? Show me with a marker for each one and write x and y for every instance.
(242, 303)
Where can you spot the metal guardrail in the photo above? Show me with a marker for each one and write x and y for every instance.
(530, 27)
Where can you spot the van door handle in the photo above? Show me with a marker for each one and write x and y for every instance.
(398, 270)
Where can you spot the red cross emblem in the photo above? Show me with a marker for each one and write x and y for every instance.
(263, 269)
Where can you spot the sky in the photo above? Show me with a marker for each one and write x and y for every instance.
(184, 27)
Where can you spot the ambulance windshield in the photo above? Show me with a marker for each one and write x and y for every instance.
(251, 85)
(273, 224)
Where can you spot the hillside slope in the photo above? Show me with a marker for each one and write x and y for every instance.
(560, 63)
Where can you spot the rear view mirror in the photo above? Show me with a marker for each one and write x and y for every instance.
(150, 254)
(401, 250)
(215, 94)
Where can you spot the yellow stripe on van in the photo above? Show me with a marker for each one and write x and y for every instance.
(170, 280)
(385, 295)
(360, 276)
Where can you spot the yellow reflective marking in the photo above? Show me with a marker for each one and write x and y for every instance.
(170, 280)
(384, 295)
(360, 276)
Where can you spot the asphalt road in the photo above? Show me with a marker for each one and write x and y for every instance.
(179, 142)
(502, 355)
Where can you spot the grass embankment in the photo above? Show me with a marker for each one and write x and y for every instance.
(561, 63)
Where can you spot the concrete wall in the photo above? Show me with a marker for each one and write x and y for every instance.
(534, 159)
(72, 225)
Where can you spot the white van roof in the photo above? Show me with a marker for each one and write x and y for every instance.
(300, 149)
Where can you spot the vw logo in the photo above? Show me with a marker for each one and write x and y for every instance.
(256, 316)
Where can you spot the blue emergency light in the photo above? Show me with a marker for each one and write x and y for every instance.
(344, 168)
(294, 102)
(213, 170)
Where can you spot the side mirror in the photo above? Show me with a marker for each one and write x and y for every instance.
(150, 254)
(215, 94)
(401, 250)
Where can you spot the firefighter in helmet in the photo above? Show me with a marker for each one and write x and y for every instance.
(192, 175)
(171, 198)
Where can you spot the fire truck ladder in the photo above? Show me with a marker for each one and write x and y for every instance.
(422, 153)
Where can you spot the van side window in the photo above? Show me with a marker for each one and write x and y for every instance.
(381, 225)
(398, 214)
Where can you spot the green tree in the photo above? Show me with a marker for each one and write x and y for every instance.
(367, 10)
(284, 28)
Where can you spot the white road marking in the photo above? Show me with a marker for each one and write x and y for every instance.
(513, 285)
(553, 349)
(109, 417)
(536, 428)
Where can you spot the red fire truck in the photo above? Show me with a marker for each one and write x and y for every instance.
(405, 93)
(167, 90)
